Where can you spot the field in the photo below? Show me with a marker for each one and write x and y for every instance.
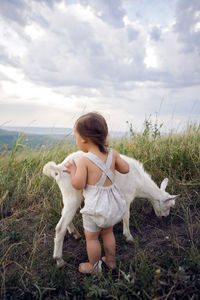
(162, 263)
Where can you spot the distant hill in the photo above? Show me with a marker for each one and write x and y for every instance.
(9, 138)
(53, 131)
(40, 130)
(38, 136)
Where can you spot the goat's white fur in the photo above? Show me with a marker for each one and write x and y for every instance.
(137, 183)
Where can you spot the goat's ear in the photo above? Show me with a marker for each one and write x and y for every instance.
(164, 184)
(172, 197)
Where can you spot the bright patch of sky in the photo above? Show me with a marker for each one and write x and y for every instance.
(149, 12)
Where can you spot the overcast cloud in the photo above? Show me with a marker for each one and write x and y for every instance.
(128, 59)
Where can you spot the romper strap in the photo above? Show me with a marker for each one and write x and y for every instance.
(105, 167)
(104, 174)
(109, 159)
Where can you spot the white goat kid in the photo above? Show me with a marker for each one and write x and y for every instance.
(137, 183)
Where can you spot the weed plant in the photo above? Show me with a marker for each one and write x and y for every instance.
(162, 263)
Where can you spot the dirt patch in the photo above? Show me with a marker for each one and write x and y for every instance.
(28, 269)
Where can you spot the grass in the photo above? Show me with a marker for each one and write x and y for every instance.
(163, 262)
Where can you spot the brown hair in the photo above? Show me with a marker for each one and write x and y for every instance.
(93, 126)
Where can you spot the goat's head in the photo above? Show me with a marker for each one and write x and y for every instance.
(50, 169)
(164, 202)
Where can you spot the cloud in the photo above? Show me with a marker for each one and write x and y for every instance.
(6, 59)
(100, 55)
(110, 11)
(88, 51)
(21, 113)
(155, 33)
(14, 10)
(132, 33)
(23, 11)
(187, 25)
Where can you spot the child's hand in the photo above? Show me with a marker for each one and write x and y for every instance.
(70, 167)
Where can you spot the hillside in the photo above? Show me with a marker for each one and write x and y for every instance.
(38, 136)
(40, 130)
(9, 139)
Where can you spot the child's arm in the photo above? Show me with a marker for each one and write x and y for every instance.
(78, 173)
(120, 164)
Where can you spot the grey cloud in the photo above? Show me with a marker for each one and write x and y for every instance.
(132, 33)
(74, 52)
(14, 10)
(67, 63)
(165, 102)
(185, 23)
(181, 75)
(21, 12)
(110, 11)
(5, 59)
(178, 104)
(178, 50)
(3, 77)
(155, 33)
(49, 3)
(83, 55)
(26, 113)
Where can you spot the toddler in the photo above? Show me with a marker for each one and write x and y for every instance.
(105, 205)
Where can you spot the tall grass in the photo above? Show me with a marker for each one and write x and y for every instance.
(174, 155)
(22, 184)
(163, 262)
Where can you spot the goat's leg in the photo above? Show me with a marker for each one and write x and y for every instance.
(61, 228)
(126, 229)
(72, 230)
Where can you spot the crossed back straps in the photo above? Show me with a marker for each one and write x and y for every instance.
(105, 167)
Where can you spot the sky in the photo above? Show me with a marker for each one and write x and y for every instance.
(131, 60)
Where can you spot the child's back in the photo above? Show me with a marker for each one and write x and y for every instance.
(105, 205)
(94, 173)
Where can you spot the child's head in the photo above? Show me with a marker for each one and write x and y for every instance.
(93, 127)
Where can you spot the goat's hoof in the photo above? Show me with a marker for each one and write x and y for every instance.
(77, 236)
(130, 240)
(60, 262)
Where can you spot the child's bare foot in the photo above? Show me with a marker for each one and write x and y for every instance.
(87, 268)
(111, 264)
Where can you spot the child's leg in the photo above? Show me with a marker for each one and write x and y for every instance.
(109, 244)
(93, 247)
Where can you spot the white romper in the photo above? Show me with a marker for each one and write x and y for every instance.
(104, 205)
